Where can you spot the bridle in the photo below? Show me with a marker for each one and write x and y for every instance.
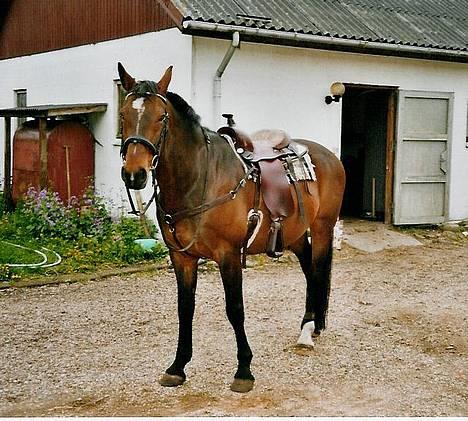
(172, 219)
(141, 140)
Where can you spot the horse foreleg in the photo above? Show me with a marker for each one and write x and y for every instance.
(186, 273)
(231, 273)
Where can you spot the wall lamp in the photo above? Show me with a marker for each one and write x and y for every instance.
(337, 90)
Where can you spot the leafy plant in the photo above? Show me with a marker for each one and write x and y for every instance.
(81, 231)
(48, 215)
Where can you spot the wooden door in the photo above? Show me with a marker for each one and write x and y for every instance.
(421, 165)
(70, 159)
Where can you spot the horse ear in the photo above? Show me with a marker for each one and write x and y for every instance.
(163, 84)
(127, 81)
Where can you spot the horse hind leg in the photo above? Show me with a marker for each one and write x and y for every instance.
(303, 250)
(315, 260)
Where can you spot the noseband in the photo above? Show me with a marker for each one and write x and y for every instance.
(141, 140)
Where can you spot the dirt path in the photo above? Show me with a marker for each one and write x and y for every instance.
(396, 342)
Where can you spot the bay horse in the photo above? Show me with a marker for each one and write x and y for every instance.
(203, 205)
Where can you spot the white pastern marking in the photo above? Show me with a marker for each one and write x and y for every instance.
(139, 105)
(306, 335)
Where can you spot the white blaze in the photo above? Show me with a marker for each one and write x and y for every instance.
(139, 105)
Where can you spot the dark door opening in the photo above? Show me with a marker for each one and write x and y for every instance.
(368, 119)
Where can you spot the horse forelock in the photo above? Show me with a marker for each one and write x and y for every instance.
(144, 88)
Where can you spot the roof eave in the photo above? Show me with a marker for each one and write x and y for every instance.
(268, 36)
(56, 110)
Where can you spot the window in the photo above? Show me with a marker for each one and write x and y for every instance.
(21, 101)
(120, 97)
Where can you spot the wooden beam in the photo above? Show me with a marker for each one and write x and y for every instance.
(390, 157)
(43, 153)
(39, 111)
(173, 12)
(88, 109)
(7, 193)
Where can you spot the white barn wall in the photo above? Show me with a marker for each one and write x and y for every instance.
(85, 74)
(284, 87)
(264, 86)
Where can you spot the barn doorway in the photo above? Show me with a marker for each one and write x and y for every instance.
(367, 144)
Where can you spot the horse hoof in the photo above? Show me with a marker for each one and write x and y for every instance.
(171, 380)
(242, 385)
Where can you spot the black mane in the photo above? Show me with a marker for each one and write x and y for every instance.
(145, 88)
(183, 108)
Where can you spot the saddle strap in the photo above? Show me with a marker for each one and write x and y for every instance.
(254, 219)
(300, 201)
(171, 219)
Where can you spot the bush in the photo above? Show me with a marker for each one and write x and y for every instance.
(47, 215)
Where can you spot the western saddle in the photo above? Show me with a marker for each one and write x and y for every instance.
(272, 153)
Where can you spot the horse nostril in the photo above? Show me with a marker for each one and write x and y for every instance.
(141, 177)
(134, 180)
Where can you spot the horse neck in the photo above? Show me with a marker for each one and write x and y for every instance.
(182, 165)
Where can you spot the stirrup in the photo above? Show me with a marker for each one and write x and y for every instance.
(275, 246)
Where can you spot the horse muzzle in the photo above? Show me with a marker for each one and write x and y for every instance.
(135, 180)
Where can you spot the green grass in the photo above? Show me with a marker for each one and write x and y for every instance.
(15, 255)
(82, 233)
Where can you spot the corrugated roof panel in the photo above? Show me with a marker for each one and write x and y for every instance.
(425, 23)
(209, 11)
(407, 26)
(457, 9)
(283, 15)
(332, 18)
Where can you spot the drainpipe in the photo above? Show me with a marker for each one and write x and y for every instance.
(217, 90)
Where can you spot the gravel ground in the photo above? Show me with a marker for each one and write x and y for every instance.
(395, 346)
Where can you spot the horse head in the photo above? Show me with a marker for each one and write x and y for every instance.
(144, 119)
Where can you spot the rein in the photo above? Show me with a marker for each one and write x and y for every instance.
(172, 219)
